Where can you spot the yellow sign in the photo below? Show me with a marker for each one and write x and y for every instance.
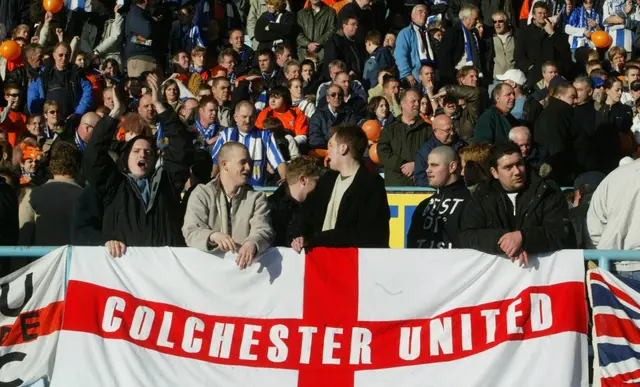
(402, 206)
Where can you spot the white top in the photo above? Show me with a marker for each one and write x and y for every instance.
(330, 218)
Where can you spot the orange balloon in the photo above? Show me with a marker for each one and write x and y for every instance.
(601, 39)
(53, 6)
(373, 153)
(10, 50)
(372, 129)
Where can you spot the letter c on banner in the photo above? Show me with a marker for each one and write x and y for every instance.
(8, 358)
(111, 323)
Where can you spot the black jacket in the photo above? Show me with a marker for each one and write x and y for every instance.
(283, 209)
(22, 76)
(363, 215)
(138, 22)
(365, 17)
(285, 30)
(436, 221)
(8, 215)
(86, 220)
(323, 120)
(567, 146)
(534, 47)
(452, 48)
(541, 215)
(125, 214)
(14, 13)
(611, 122)
(347, 50)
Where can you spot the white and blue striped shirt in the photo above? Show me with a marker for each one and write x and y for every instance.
(621, 36)
(260, 143)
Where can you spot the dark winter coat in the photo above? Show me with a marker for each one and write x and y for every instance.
(451, 50)
(285, 30)
(86, 220)
(315, 27)
(534, 47)
(323, 120)
(14, 13)
(398, 145)
(363, 215)
(138, 22)
(541, 215)
(422, 157)
(126, 216)
(566, 145)
(347, 50)
(283, 208)
(493, 126)
(436, 221)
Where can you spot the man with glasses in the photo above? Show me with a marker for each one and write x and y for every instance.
(502, 46)
(443, 134)
(13, 122)
(60, 83)
(343, 46)
(326, 117)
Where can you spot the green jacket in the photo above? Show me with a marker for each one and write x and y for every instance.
(398, 144)
(493, 126)
(315, 28)
(467, 117)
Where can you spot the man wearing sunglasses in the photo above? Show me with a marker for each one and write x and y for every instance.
(326, 117)
(12, 122)
(502, 45)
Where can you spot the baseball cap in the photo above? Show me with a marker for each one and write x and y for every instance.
(513, 75)
(597, 82)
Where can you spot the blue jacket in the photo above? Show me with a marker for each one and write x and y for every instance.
(380, 58)
(80, 89)
(406, 53)
(420, 166)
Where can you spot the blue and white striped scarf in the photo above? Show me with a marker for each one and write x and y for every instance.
(207, 133)
(580, 15)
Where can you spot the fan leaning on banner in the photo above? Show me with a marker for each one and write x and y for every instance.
(518, 213)
(227, 211)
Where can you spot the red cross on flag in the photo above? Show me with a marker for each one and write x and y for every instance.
(337, 317)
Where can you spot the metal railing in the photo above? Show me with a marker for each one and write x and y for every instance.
(603, 257)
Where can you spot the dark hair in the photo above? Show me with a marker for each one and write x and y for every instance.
(207, 100)
(308, 62)
(282, 92)
(503, 149)
(10, 86)
(280, 49)
(114, 64)
(65, 159)
(353, 136)
(497, 90)
(374, 37)
(540, 4)
(373, 106)
(630, 67)
(635, 86)
(610, 82)
(202, 165)
(264, 52)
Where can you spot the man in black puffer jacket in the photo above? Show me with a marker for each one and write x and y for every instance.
(141, 204)
(518, 213)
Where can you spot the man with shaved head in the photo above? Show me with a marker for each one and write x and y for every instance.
(85, 130)
(534, 154)
(226, 214)
(436, 221)
(443, 134)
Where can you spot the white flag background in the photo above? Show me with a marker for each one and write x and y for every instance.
(340, 318)
(31, 309)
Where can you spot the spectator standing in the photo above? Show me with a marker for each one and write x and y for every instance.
(45, 211)
(349, 206)
(226, 213)
(619, 28)
(326, 117)
(63, 84)
(138, 39)
(414, 47)
(141, 206)
(14, 13)
(614, 117)
(343, 46)
(501, 46)
(110, 45)
(443, 134)
(380, 57)
(556, 133)
(257, 8)
(518, 213)
(14, 122)
(436, 221)
(400, 140)
(317, 22)
(539, 42)
(460, 45)
(286, 202)
(24, 75)
(583, 22)
(613, 216)
(262, 146)
(275, 26)
(494, 124)
(361, 11)
(185, 35)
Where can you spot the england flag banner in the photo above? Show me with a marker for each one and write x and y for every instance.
(31, 308)
(616, 328)
(335, 317)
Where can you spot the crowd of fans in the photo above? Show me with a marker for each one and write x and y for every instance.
(148, 123)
